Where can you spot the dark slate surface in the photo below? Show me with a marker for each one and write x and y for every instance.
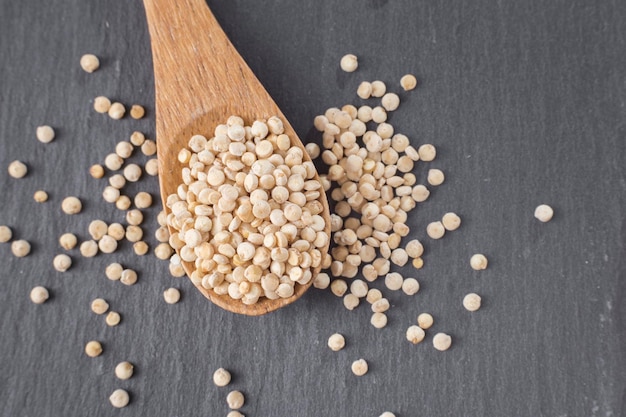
(526, 103)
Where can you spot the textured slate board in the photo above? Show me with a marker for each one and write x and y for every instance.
(525, 101)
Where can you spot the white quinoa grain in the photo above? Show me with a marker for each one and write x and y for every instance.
(20, 248)
(97, 229)
(137, 138)
(96, 171)
(17, 169)
(393, 281)
(235, 400)
(39, 295)
(435, 177)
(364, 90)
(93, 349)
(544, 213)
(89, 248)
(442, 341)
(99, 306)
(134, 233)
(101, 104)
(62, 262)
(418, 263)
(378, 88)
(171, 295)
(359, 367)
(124, 370)
(137, 111)
(435, 230)
(148, 147)
(5, 234)
(143, 200)
(415, 334)
(349, 63)
(471, 302)
(71, 205)
(124, 149)
(321, 281)
(425, 321)
(89, 63)
(152, 167)
(107, 244)
(112, 319)
(378, 320)
(140, 248)
(116, 231)
(338, 287)
(408, 82)
(221, 377)
(350, 301)
(45, 134)
(399, 257)
(336, 342)
(414, 248)
(234, 413)
(128, 277)
(132, 172)
(119, 398)
(390, 101)
(116, 111)
(410, 286)
(451, 221)
(427, 152)
(68, 241)
(478, 262)
(387, 414)
(40, 196)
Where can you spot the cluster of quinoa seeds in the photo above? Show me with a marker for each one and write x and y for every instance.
(248, 214)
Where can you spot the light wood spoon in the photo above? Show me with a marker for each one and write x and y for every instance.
(200, 81)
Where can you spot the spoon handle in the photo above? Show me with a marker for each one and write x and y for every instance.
(196, 67)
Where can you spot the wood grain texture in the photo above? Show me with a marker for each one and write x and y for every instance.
(525, 101)
(200, 81)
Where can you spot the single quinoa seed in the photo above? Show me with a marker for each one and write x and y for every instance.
(68, 241)
(89, 63)
(137, 111)
(451, 221)
(99, 306)
(471, 302)
(221, 377)
(93, 349)
(349, 63)
(20, 248)
(71, 205)
(101, 104)
(235, 400)
(442, 342)
(128, 277)
(387, 414)
(171, 295)
(45, 134)
(378, 320)
(544, 213)
(119, 398)
(124, 370)
(359, 367)
(435, 177)
(62, 262)
(425, 321)
(5, 234)
(89, 248)
(336, 342)
(96, 171)
(415, 334)
(17, 169)
(117, 111)
(478, 262)
(40, 196)
(112, 319)
(39, 295)
(114, 271)
(408, 82)
(435, 230)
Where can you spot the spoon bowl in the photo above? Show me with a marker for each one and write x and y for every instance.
(200, 81)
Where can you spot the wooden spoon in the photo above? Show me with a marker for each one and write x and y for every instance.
(200, 81)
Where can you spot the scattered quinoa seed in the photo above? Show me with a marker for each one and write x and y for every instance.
(17, 169)
(137, 111)
(478, 262)
(71, 205)
(20, 248)
(408, 82)
(140, 248)
(93, 349)
(442, 341)
(101, 104)
(378, 320)
(40, 196)
(45, 134)
(171, 295)
(89, 248)
(435, 177)
(359, 367)
(117, 111)
(451, 221)
(378, 88)
(99, 306)
(96, 171)
(221, 377)
(148, 147)
(235, 400)
(435, 230)
(336, 342)
(544, 213)
(89, 63)
(234, 413)
(39, 295)
(415, 334)
(425, 320)
(388, 413)
(124, 370)
(114, 271)
(68, 241)
(137, 138)
(62, 262)
(112, 319)
(128, 277)
(5, 234)
(471, 302)
(349, 63)
(119, 398)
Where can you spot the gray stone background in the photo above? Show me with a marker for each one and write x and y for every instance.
(525, 101)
